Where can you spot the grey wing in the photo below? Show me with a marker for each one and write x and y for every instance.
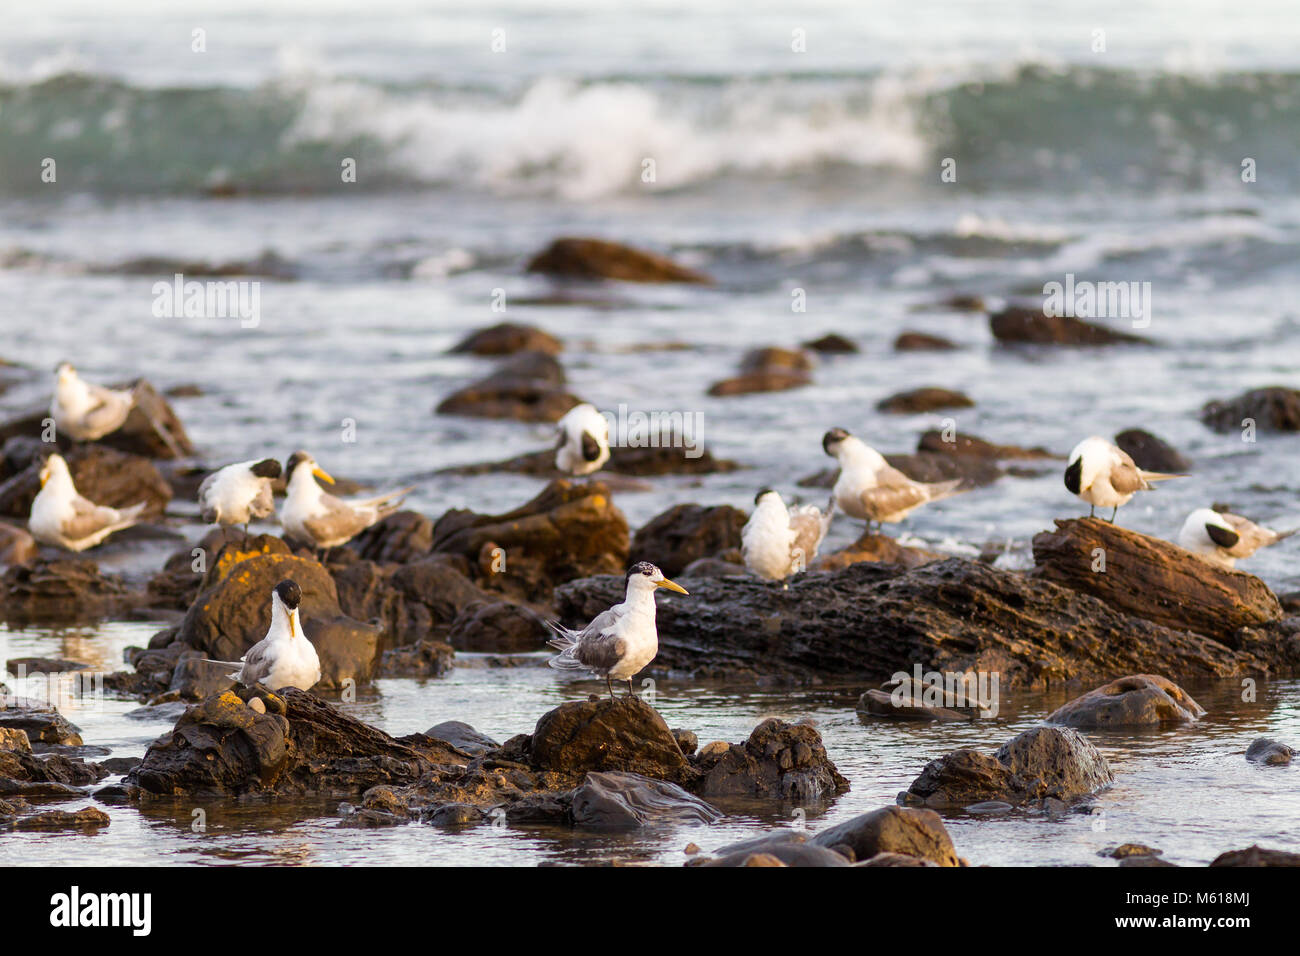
(89, 518)
(1251, 537)
(809, 526)
(109, 412)
(263, 503)
(257, 664)
(1124, 474)
(885, 500)
(598, 645)
(339, 520)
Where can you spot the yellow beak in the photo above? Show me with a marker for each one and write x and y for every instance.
(45, 476)
(320, 472)
(672, 586)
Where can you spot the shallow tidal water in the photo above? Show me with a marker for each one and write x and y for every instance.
(1187, 791)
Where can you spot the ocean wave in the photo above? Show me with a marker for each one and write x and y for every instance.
(1027, 127)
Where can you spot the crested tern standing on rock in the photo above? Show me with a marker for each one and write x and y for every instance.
(619, 642)
(776, 542)
(62, 517)
(582, 445)
(238, 493)
(1105, 476)
(871, 489)
(284, 658)
(1222, 537)
(85, 411)
(312, 515)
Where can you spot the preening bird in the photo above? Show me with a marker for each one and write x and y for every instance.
(285, 657)
(238, 493)
(85, 411)
(869, 488)
(619, 642)
(1222, 537)
(1105, 476)
(777, 542)
(62, 517)
(312, 515)
(582, 444)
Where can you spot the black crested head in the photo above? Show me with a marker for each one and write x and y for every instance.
(1223, 537)
(296, 459)
(832, 438)
(590, 447)
(289, 592)
(1074, 475)
(761, 493)
(267, 468)
(641, 567)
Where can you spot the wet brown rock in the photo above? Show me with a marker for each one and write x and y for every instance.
(923, 400)
(624, 801)
(831, 344)
(17, 546)
(524, 400)
(1151, 453)
(462, 736)
(764, 381)
(39, 723)
(906, 706)
(15, 739)
(1152, 579)
(591, 259)
(87, 818)
(223, 746)
(1267, 751)
(104, 475)
(686, 533)
(1043, 763)
(400, 538)
(183, 573)
(869, 621)
(918, 834)
(1030, 326)
(921, 342)
(424, 658)
(603, 734)
(969, 445)
(876, 547)
(788, 848)
(779, 760)
(499, 627)
(1269, 409)
(66, 590)
(412, 602)
(1140, 700)
(1257, 856)
(774, 359)
(570, 530)
(507, 338)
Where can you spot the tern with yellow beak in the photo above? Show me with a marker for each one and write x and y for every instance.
(311, 515)
(619, 642)
(62, 517)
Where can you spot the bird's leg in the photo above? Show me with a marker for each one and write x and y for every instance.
(610, 686)
(1092, 511)
(1113, 512)
(630, 691)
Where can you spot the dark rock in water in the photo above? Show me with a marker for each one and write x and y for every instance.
(87, 818)
(182, 576)
(424, 658)
(365, 819)
(1257, 856)
(38, 770)
(151, 429)
(773, 359)
(1151, 453)
(909, 341)
(686, 533)
(1268, 409)
(788, 848)
(780, 760)
(499, 627)
(170, 711)
(455, 815)
(1140, 700)
(1126, 850)
(412, 601)
(870, 621)
(42, 665)
(119, 765)
(1152, 579)
(832, 344)
(913, 833)
(1267, 751)
(462, 736)
(65, 590)
(571, 529)
(607, 735)
(894, 706)
(523, 401)
(223, 746)
(923, 400)
(507, 338)
(234, 612)
(617, 800)
(592, 259)
(1019, 325)
(876, 548)
(400, 538)
(687, 740)
(762, 381)
(104, 475)
(17, 546)
(1043, 763)
(968, 445)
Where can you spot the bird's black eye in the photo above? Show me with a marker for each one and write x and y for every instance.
(647, 573)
